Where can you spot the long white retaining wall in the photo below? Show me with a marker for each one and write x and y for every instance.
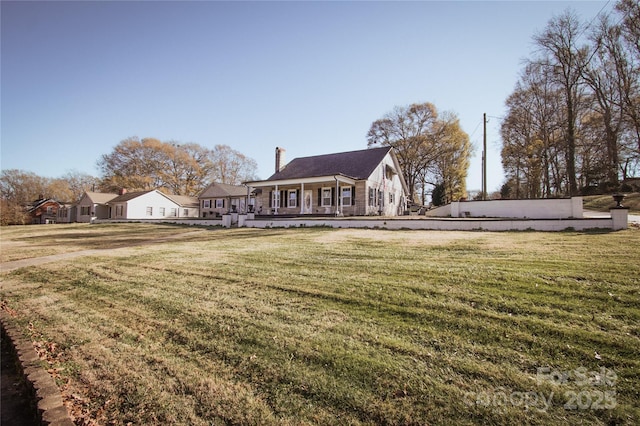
(447, 224)
(618, 220)
(546, 208)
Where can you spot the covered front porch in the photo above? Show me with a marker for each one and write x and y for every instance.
(321, 196)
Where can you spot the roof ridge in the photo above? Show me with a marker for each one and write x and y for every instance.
(357, 164)
(345, 152)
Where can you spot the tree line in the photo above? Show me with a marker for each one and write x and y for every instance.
(135, 164)
(573, 120)
(177, 168)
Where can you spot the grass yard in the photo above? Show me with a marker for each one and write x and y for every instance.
(604, 202)
(24, 242)
(321, 326)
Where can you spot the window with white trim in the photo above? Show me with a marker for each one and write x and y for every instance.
(206, 204)
(345, 194)
(373, 202)
(293, 198)
(173, 212)
(162, 211)
(220, 203)
(149, 211)
(326, 197)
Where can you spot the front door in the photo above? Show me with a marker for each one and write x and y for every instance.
(308, 201)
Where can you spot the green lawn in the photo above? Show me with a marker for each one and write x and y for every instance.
(321, 326)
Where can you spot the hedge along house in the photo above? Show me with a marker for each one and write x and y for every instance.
(220, 198)
(355, 183)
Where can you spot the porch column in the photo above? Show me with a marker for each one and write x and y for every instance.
(301, 198)
(273, 200)
(248, 200)
(337, 197)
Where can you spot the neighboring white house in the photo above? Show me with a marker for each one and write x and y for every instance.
(152, 204)
(93, 205)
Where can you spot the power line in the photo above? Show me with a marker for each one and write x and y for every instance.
(475, 130)
(594, 18)
(598, 44)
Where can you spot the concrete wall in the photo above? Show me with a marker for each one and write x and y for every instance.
(442, 211)
(618, 220)
(546, 208)
(441, 224)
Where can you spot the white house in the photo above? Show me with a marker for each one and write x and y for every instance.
(93, 205)
(152, 204)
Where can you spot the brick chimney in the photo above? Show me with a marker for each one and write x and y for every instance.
(122, 191)
(280, 159)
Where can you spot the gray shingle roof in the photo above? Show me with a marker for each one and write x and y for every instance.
(129, 196)
(353, 164)
(223, 190)
(183, 200)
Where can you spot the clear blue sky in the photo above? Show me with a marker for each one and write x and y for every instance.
(79, 77)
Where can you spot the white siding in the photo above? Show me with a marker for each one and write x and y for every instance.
(137, 208)
(386, 184)
(84, 206)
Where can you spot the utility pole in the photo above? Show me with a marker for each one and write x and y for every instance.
(484, 157)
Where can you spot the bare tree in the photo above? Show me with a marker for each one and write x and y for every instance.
(426, 144)
(230, 166)
(629, 30)
(77, 184)
(606, 74)
(630, 11)
(532, 137)
(565, 57)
